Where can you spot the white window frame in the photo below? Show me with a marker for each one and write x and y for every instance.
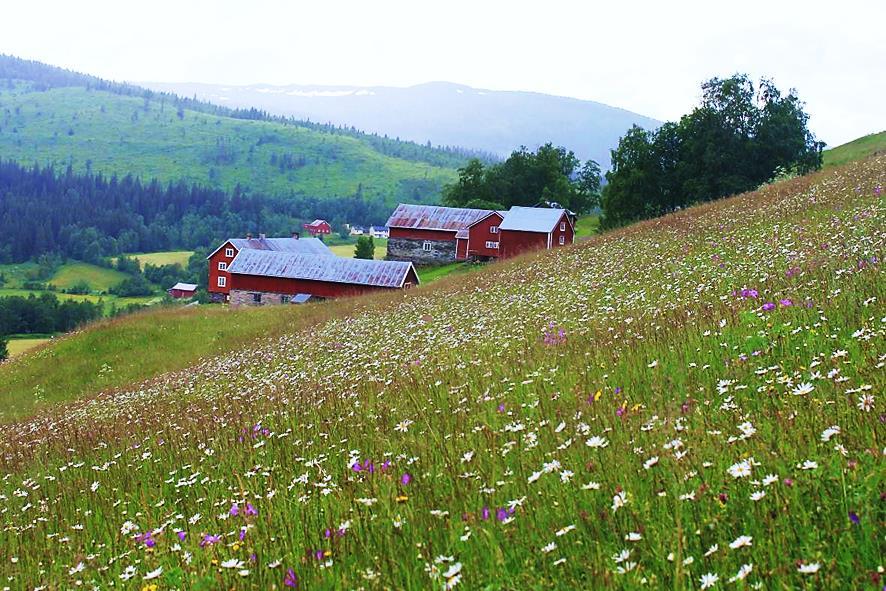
(562, 240)
(222, 266)
(222, 282)
(562, 227)
(491, 244)
(426, 246)
(229, 252)
(493, 229)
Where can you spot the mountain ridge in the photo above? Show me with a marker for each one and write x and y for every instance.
(496, 121)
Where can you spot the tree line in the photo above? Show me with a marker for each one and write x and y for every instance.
(89, 216)
(44, 314)
(739, 137)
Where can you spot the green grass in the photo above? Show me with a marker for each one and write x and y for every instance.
(347, 250)
(99, 279)
(110, 133)
(862, 147)
(587, 226)
(21, 344)
(616, 415)
(430, 274)
(173, 257)
(125, 350)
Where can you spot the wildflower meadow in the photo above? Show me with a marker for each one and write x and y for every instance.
(692, 402)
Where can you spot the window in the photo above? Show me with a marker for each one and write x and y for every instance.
(222, 266)
(562, 227)
(493, 229)
(284, 299)
(426, 246)
(491, 244)
(256, 297)
(562, 239)
(229, 252)
(222, 281)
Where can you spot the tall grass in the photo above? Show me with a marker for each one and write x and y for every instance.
(689, 402)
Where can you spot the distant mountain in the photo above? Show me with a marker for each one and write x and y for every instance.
(441, 113)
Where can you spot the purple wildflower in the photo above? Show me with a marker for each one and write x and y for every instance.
(484, 514)
(242, 533)
(785, 302)
(501, 407)
(181, 536)
(290, 580)
(250, 510)
(235, 510)
(406, 478)
(877, 190)
(853, 517)
(768, 307)
(209, 540)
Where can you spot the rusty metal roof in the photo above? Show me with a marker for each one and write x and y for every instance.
(433, 217)
(321, 268)
(299, 245)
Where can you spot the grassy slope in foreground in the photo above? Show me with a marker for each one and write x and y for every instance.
(112, 133)
(615, 415)
(862, 147)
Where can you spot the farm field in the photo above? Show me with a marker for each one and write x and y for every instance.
(18, 345)
(690, 402)
(172, 257)
(347, 250)
(97, 278)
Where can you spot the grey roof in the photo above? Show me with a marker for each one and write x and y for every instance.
(433, 217)
(463, 233)
(321, 268)
(185, 286)
(532, 219)
(299, 245)
(300, 298)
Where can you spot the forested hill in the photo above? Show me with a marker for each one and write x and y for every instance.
(53, 116)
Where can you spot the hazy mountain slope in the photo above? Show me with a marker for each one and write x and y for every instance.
(442, 113)
(53, 116)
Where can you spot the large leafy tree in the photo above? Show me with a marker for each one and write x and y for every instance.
(550, 174)
(736, 139)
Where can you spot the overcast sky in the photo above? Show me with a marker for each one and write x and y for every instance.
(648, 57)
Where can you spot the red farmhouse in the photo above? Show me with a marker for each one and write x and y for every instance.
(182, 290)
(264, 278)
(534, 228)
(427, 233)
(220, 280)
(480, 240)
(318, 228)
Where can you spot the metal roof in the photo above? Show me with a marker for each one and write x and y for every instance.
(433, 217)
(300, 298)
(299, 245)
(317, 222)
(321, 268)
(463, 233)
(532, 219)
(185, 286)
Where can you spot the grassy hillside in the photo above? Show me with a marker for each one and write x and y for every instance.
(97, 278)
(172, 257)
(863, 147)
(690, 402)
(112, 133)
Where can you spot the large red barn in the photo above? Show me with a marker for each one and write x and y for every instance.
(318, 228)
(219, 285)
(263, 278)
(534, 228)
(426, 234)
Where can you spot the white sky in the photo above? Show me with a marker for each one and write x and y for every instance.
(648, 57)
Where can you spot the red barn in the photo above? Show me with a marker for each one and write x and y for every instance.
(480, 240)
(427, 233)
(219, 285)
(318, 228)
(182, 290)
(534, 228)
(261, 278)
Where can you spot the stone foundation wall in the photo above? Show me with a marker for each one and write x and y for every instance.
(241, 297)
(409, 249)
